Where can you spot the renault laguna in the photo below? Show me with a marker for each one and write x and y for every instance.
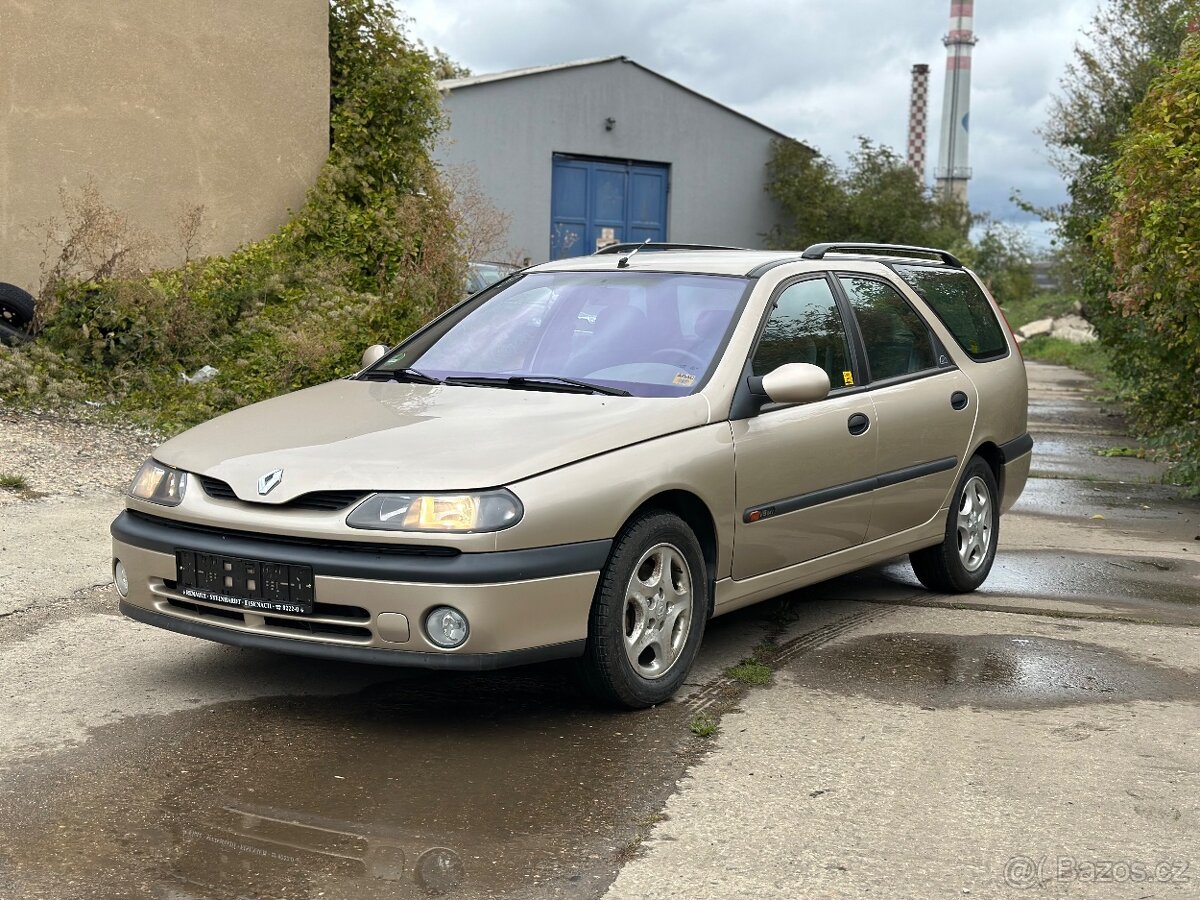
(592, 458)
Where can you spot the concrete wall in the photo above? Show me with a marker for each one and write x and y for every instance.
(510, 129)
(165, 104)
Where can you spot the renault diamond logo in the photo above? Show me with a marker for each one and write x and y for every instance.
(269, 482)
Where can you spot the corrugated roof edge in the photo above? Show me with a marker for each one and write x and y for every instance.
(453, 84)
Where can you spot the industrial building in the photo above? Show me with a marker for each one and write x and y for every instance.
(162, 105)
(587, 153)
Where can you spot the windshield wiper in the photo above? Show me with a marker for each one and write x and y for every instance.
(545, 382)
(412, 375)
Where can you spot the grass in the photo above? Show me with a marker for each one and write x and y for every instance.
(703, 725)
(14, 483)
(1039, 306)
(1090, 358)
(750, 671)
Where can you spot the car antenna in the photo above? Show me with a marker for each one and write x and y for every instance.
(623, 262)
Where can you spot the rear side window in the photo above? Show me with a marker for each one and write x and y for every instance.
(957, 300)
(896, 339)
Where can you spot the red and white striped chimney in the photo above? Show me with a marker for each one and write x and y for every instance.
(918, 115)
(953, 169)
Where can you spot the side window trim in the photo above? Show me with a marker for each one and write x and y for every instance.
(943, 360)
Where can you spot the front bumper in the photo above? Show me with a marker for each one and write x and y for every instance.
(371, 599)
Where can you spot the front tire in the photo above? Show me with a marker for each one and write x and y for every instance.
(962, 561)
(648, 616)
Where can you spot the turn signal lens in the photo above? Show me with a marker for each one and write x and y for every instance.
(447, 513)
(159, 484)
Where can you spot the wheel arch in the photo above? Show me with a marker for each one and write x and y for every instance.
(695, 512)
(991, 454)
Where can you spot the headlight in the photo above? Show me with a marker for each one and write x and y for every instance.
(454, 513)
(159, 484)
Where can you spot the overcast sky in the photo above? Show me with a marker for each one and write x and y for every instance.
(823, 71)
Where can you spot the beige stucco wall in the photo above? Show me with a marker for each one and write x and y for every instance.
(165, 104)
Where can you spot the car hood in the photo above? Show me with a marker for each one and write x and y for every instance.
(361, 435)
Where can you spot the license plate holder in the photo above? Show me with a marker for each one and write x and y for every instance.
(250, 584)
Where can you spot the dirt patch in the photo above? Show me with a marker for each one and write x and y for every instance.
(56, 454)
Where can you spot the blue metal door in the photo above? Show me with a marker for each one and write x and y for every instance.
(594, 202)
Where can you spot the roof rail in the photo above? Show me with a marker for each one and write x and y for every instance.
(818, 251)
(651, 245)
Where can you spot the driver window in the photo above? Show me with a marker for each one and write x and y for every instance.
(806, 327)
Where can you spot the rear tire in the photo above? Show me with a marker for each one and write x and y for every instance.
(962, 561)
(16, 307)
(648, 615)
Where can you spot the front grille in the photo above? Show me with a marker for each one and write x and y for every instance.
(206, 611)
(299, 625)
(328, 501)
(318, 628)
(216, 488)
(320, 501)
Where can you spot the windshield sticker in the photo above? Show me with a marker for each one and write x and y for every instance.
(848, 378)
(683, 378)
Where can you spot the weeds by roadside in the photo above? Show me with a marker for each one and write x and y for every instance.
(750, 671)
(703, 725)
(15, 483)
(1090, 358)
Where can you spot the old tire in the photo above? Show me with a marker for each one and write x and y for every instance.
(11, 337)
(962, 561)
(16, 307)
(648, 616)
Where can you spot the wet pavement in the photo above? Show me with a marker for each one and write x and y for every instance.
(478, 786)
(1054, 711)
(991, 671)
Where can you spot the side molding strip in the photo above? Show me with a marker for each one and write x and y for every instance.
(849, 489)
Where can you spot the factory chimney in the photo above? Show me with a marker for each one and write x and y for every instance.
(918, 114)
(953, 171)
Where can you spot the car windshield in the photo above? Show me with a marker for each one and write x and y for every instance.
(648, 334)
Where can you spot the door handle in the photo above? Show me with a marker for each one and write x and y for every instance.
(858, 424)
(959, 400)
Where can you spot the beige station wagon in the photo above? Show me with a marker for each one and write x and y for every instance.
(592, 458)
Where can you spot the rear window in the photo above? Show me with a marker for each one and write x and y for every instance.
(957, 300)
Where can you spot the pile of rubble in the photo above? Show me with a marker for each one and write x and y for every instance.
(1072, 327)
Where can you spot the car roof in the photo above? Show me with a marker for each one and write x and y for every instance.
(720, 262)
(714, 262)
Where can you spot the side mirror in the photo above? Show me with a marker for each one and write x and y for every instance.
(793, 383)
(373, 354)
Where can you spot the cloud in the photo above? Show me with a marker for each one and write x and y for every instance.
(822, 72)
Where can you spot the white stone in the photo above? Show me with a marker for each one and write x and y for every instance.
(1035, 328)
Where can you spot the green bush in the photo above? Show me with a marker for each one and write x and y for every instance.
(1153, 236)
(372, 254)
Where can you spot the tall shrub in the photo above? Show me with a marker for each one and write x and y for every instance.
(1153, 236)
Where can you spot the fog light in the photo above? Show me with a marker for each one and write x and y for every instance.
(121, 578)
(446, 627)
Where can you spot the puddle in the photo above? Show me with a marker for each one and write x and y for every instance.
(1050, 575)
(1000, 671)
(1151, 585)
(463, 786)
(1153, 507)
